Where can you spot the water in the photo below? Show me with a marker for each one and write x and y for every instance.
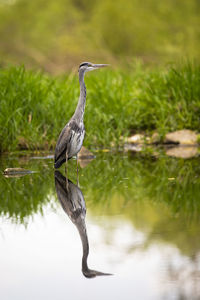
(142, 225)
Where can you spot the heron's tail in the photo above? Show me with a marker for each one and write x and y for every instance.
(58, 163)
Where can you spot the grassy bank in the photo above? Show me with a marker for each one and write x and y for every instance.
(34, 107)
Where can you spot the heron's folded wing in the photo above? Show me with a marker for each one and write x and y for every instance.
(63, 142)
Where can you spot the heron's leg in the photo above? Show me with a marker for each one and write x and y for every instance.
(66, 171)
(77, 170)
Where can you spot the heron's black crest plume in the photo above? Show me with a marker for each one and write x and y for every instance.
(85, 64)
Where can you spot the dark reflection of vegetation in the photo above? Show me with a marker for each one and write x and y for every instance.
(23, 196)
(158, 195)
(175, 182)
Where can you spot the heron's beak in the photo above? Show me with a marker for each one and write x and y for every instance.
(97, 66)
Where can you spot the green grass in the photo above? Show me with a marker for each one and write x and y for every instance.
(34, 107)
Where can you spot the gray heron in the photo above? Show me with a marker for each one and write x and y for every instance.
(71, 137)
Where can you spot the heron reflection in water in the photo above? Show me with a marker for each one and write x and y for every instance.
(73, 203)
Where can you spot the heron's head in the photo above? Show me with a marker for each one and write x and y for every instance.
(87, 66)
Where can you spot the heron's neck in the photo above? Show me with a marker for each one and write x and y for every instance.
(80, 224)
(79, 112)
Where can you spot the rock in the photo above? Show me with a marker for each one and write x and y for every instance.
(22, 143)
(136, 139)
(83, 163)
(43, 157)
(16, 172)
(155, 138)
(85, 157)
(131, 147)
(183, 137)
(85, 154)
(183, 152)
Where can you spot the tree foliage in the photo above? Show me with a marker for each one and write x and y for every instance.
(57, 34)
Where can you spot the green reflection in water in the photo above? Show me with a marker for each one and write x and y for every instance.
(159, 196)
(22, 197)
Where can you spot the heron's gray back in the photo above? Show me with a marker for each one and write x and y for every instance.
(70, 140)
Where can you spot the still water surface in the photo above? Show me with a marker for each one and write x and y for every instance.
(142, 225)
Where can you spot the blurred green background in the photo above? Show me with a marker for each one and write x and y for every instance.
(58, 35)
